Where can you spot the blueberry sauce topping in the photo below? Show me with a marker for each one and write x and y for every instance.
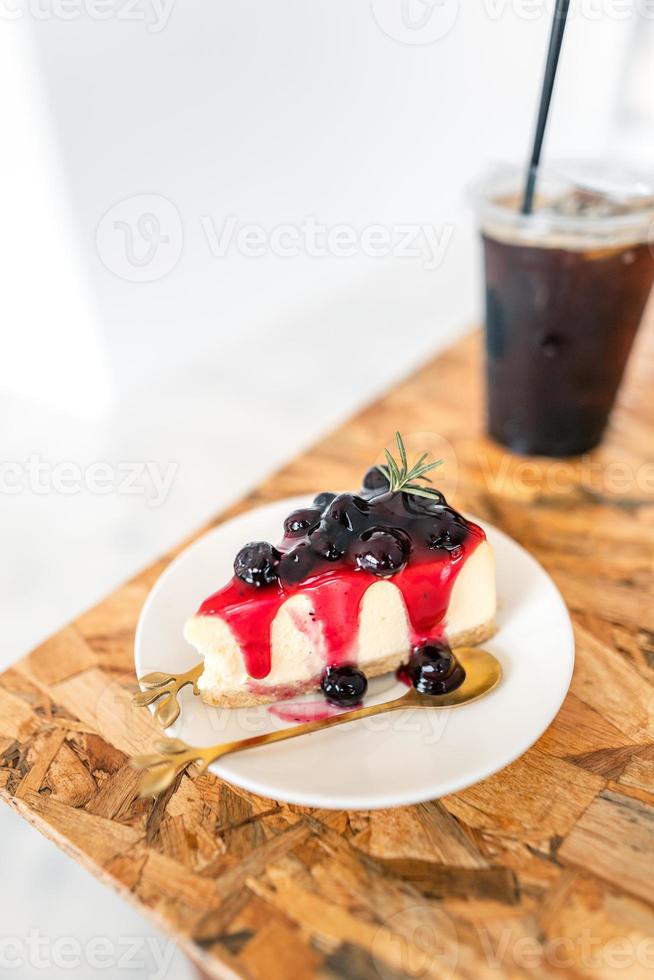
(295, 565)
(344, 686)
(347, 511)
(433, 669)
(326, 545)
(375, 531)
(334, 550)
(379, 535)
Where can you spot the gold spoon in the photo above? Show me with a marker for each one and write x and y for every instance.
(483, 673)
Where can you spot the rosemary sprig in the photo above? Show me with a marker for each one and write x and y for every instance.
(402, 477)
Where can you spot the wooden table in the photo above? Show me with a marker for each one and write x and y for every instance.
(544, 868)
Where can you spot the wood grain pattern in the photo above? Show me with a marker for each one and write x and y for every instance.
(544, 868)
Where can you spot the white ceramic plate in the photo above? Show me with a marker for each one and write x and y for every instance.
(396, 759)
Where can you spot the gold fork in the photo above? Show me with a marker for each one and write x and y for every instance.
(165, 688)
(483, 673)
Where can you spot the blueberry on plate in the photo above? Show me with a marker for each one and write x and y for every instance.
(344, 686)
(433, 669)
(256, 563)
(300, 521)
(382, 552)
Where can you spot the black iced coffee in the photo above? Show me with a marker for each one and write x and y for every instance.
(565, 292)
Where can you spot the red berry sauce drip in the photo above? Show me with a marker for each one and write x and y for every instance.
(328, 552)
(250, 613)
(304, 711)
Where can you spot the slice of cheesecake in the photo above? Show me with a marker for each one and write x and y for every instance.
(358, 579)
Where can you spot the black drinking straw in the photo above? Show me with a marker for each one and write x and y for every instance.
(554, 50)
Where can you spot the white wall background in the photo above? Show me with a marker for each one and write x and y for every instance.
(270, 113)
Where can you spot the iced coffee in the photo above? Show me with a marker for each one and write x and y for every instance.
(565, 291)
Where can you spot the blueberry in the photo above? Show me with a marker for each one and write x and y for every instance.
(323, 500)
(296, 564)
(433, 669)
(449, 538)
(301, 521)
(348, 510)
(344, 686)
(256, 563)
(375, 481)
(325, 544)
(382, 552)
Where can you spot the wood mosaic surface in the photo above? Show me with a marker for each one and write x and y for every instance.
(544, 869)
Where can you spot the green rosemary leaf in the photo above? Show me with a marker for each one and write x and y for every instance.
(416, 468)
(419, 491)
(430, 466)
(402, 452)
(402, 477)
(396, 479)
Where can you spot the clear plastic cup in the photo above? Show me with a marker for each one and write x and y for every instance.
(566, 287)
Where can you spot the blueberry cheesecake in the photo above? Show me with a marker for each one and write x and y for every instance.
(360, 584)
